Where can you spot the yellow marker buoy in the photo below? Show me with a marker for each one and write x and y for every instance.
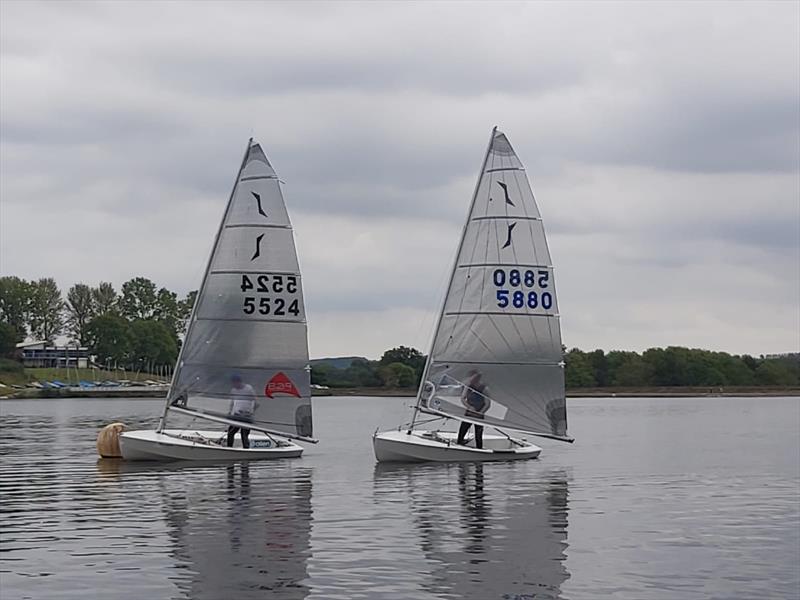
(108, 440)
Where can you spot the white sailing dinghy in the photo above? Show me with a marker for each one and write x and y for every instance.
(496, 357)
(244, 361)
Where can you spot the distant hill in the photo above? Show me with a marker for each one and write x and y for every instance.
(339, 362)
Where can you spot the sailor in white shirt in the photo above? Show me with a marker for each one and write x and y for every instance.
(242, 407)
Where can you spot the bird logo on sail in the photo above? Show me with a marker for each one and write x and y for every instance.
(280, 384)
(257, 253)
(510, 229)
(258, 200)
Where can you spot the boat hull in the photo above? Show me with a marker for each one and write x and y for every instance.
(440, 446)
(189, 444)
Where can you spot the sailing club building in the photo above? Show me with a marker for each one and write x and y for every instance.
(40, 355)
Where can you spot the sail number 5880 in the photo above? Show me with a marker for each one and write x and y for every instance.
(520, 298)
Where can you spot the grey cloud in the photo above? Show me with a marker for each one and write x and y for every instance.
(661, 140)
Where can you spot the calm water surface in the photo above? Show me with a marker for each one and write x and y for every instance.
(658, 498)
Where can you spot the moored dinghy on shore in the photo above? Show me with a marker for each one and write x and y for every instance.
(496, 357)
(244, 361)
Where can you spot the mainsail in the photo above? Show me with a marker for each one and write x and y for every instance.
(245, 356)
(496, 357)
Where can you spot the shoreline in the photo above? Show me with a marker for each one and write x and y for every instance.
(149, 392)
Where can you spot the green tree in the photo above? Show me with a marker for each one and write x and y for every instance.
(772, 372)
(104, 297)
(397, 375)
(579, 371)
(320, 374)
(627, 369)
(8, 339)
(15, 297)
(185, 307)
(597, 358)
(109, 338)
(80, 310)
(407, 356)
(167, 310)
(152, 343)
(46, 315)
(138, 300)
(669, 365)
(362, 373)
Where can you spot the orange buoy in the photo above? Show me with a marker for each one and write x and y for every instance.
(108, 440)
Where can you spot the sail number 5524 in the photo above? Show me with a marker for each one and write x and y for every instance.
(280, 289)
(525, 297)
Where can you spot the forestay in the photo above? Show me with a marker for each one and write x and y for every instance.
(496, 357)
(245, 356)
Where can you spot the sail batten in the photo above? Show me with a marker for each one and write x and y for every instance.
(245, 355)
(496, 357)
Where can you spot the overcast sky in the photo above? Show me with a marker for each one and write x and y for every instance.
(662, 142)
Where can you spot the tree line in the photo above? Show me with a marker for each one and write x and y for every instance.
(677, 366)
(399, 367)
(657, 367)
(139, 326)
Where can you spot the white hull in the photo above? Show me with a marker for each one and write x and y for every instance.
(440, 446)
(191, 444)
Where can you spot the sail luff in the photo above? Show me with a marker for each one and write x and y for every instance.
(453, 271)
(190, 326)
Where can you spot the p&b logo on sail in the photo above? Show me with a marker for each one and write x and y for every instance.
(280, 384)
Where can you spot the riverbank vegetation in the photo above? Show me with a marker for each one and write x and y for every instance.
(670, 367)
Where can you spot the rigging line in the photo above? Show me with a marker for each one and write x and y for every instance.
(258, 226)
(499, 362)
(506, 216)
(251, 272)
(506, 169)
(451, 313)
(510, 439)
(499, 264)
(249, 320)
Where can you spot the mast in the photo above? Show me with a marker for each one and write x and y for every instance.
(452, 275)
(162, 422)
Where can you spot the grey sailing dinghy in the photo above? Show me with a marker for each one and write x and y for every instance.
(244, 361)
(496, 358)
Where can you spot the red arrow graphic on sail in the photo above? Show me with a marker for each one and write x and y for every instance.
(280, 384)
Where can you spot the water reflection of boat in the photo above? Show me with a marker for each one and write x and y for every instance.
(236, 531)
(485, 534)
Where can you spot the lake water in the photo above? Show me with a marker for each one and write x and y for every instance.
(658, 498)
